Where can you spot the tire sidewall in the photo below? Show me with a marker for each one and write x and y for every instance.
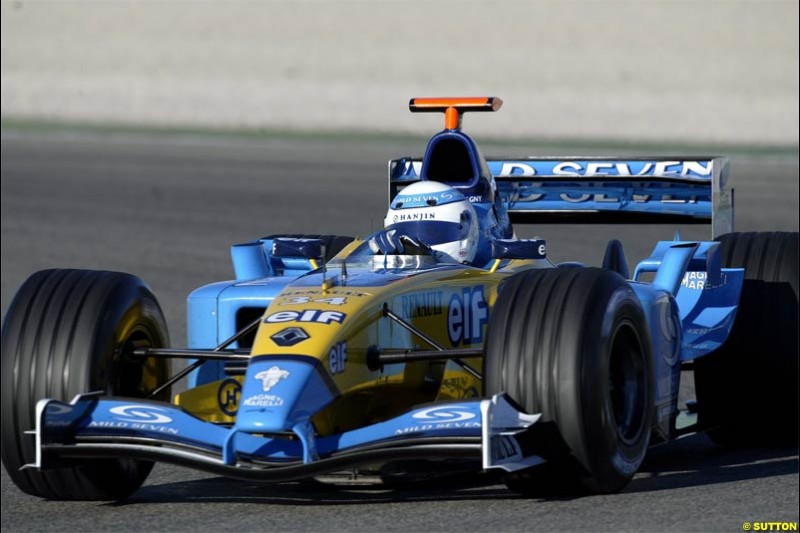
(130, 310)
(604, 452)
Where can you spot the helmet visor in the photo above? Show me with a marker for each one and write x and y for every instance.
(431, 232)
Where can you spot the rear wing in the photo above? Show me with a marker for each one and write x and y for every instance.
(686, 190)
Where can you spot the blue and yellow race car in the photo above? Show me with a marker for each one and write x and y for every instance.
(441, 343)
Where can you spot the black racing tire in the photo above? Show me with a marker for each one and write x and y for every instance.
(333, 243)
(564, 343)
(66, 333)
(747, 389)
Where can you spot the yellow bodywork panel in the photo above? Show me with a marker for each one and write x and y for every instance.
(342, 322)
(214, 402)
(458, 384)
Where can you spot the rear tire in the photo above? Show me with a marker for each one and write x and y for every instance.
(65, 333)
(574, 345)
(747, 389)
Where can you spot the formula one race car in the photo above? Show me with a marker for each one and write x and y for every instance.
(440, 343)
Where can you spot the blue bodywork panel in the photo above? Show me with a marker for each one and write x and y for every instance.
(707, 295)
(212, 310)
(278, 393)
(689, 316)
(519, 249)
(660, 309)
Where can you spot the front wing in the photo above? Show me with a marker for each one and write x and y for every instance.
(93, 426)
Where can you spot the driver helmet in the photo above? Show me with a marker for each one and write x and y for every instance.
(438, 216)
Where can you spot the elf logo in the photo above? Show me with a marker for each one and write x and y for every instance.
(309, 315)
(337, 358)
(467, 315)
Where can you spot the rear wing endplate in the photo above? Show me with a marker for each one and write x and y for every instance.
(686, 190)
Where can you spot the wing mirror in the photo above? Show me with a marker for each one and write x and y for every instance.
(519, 249)
(292, 247)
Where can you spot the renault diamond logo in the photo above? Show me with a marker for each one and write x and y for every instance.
(289, 336)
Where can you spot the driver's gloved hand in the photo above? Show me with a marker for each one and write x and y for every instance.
(413, 246)
(390, 243)
(385, 242)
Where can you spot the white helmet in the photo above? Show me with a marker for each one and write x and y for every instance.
(436, 215)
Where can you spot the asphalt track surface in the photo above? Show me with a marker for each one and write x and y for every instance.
(167, 209)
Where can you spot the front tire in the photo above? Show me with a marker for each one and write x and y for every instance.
(65, 333)
(573, 345)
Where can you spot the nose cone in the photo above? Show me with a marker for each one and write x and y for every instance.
(281, 392)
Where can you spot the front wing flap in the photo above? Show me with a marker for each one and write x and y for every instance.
(93, 426)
